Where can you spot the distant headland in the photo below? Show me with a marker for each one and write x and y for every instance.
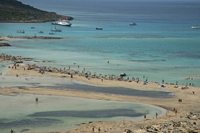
(13, 11)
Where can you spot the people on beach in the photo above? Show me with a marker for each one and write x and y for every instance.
(179, 100)
(99, 129)
(11, 131)
(156, 114)
(176, 112)
(145, 117)
(92, 129)
(36, 99)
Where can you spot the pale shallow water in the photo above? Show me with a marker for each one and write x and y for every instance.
(61, 83)
(57, 113)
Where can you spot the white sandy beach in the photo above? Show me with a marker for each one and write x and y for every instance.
(189, 102)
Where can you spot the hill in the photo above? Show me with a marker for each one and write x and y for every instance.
(15, 11)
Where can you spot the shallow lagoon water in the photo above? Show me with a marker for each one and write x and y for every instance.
(57, 113)
(61, 83)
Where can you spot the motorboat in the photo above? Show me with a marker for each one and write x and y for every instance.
(99, 28)
(122, 74)
(195, 27)
(132, 23)
(20, 31)
(40, 32)
(51, 33)
(56, 30)
(63, 23)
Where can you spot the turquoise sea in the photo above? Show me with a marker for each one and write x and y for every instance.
(162, 46)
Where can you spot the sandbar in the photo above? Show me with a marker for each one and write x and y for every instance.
(189, 98)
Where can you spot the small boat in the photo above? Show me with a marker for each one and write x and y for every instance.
(56, 30)
(99, 28)
(51, 33)
(20, 31)
(195, 27)
(40, 32)
(54, 23)
(32, 27)
(132, 23)
(62, 22)
(122, 74)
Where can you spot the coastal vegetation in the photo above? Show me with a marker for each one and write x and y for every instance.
(16, 11)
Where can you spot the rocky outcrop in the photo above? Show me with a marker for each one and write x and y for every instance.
(186, 124)
(5, 57)
(5, 44)
(35, 37)
(16, 12)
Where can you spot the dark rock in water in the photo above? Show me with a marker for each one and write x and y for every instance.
(18, 61)
(4, 44)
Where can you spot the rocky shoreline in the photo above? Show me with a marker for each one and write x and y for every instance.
(33, 37)
(189, 123)
(13, 11)
(5, 44)
(17, 59)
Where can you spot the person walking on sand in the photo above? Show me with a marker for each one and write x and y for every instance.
(156, 114)
(36, 99)
(11, 131)
(92, 129)
(99, 129)
(145, 117)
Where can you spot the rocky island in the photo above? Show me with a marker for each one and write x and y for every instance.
(4, 44)
(14, 11)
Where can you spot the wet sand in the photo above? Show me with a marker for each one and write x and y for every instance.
(190, 101)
